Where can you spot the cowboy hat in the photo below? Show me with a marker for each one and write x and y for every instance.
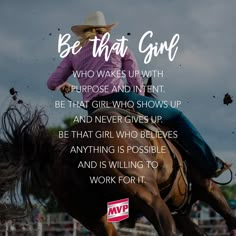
(95, 19)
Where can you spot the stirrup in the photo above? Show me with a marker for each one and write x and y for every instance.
(226, 166)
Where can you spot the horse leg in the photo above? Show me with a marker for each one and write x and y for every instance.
(105, 228)
(156, 211)
(187, 226)
(210, 193)
(101, 227)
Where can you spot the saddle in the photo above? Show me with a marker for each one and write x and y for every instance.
(178, 166)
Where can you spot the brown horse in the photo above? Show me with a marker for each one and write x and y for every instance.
(45, 163)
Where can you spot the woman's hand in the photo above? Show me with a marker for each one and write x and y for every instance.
(65, 88)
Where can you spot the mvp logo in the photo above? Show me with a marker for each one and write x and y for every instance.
(118, 210)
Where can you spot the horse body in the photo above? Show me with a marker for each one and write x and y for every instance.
(93, 198)
(43, 161)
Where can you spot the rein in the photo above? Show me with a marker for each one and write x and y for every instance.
(69, 99)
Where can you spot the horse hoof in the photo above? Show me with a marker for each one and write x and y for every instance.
(233, 232)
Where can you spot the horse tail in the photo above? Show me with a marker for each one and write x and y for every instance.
(26, 150)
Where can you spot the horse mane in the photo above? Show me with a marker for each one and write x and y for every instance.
(25, 148)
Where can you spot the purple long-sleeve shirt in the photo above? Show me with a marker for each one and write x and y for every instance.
(96, 71)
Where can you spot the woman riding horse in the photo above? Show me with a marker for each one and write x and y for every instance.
(200, 154)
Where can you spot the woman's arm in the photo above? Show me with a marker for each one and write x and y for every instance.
(61, 74)
(130, 66)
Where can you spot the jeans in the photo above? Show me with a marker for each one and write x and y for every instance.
(200, 154)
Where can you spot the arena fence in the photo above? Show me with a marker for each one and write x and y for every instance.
(63, 225)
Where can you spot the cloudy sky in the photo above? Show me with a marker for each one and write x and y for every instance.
(201, 74)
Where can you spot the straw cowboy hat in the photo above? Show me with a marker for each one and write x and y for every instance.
(95, 19)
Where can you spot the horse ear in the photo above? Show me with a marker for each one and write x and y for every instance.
(146, 91)
(146, 85)
(149, 81)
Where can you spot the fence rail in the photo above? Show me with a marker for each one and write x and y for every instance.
(64, 225)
